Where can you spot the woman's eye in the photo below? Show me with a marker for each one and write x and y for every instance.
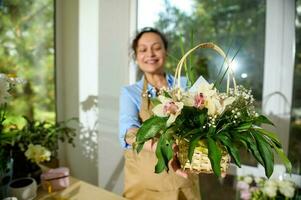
(141, 50)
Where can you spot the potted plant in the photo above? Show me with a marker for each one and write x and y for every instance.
(7, 85)
(208, 126)
(38, 138)
(15, 141)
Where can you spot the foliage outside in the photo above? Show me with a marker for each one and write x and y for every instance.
(27, 50)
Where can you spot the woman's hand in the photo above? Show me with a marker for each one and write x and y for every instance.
(175, 163)
(130, 138)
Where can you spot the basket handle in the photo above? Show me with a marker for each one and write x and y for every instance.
(208, 45)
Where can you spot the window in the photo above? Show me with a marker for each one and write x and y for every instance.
(27, 50)
(237, 27)
(295, 129)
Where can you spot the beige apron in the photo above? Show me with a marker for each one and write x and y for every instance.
(142, 183)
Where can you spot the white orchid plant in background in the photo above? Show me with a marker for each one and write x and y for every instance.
(210, 119)
(7, 85)
(258, 188)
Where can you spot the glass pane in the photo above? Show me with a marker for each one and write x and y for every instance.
(27, 50)
(295, 131)
(238, 27)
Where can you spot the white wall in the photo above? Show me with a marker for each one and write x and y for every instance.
(279, 65)
(115, 28)
(77, 86)
(92, 64)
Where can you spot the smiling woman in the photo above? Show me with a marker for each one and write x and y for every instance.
(141, 182)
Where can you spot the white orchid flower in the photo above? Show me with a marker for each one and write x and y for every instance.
(207, 89)
(226, 102)
(213, 101)
(168, 107)
(188, 99)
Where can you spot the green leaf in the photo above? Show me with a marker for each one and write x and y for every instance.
(192, 132)
(263, 120)
(155, 101)
(167, 152)
(230, 147)
(224, 127)
(265, 152)
(270, 135)
(212, 131)
(166, 94)
(160, 166)
(193, 143)
(215, 156)
(149, 129)
(243, 127)
(250, 144)
(283, 158)
(164, 153)
(202, 118)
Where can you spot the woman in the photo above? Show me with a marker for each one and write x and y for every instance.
(141, 182)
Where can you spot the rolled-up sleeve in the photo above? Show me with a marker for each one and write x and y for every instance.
(128, 115)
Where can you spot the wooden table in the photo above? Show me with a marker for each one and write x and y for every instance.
(78, 190)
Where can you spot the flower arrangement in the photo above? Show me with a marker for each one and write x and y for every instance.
(208, 126)
(36, 141)
(257, 188)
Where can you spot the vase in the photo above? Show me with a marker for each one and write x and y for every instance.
(5, 178)
(24, 167)
(23, 188)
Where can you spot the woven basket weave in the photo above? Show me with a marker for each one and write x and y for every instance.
(200, 161)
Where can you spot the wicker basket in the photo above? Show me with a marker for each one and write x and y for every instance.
(200, 161)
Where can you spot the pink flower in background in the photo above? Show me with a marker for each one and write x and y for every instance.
(245, 194)
(241, 185)
(199, 101)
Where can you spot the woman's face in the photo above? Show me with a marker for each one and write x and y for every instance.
(150, 53)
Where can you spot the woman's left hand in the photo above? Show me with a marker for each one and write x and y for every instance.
(175, 164)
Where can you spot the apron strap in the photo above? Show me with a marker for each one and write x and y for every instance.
(146, 105)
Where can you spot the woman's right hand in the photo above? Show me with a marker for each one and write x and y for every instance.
(175, 163)
(130, 139)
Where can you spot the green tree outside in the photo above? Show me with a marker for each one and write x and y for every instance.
(27, 50)
(233, 25)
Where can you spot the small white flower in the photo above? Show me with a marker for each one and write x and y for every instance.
(258, 180)
(286, 188)
(248, 179)
(270, 188)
